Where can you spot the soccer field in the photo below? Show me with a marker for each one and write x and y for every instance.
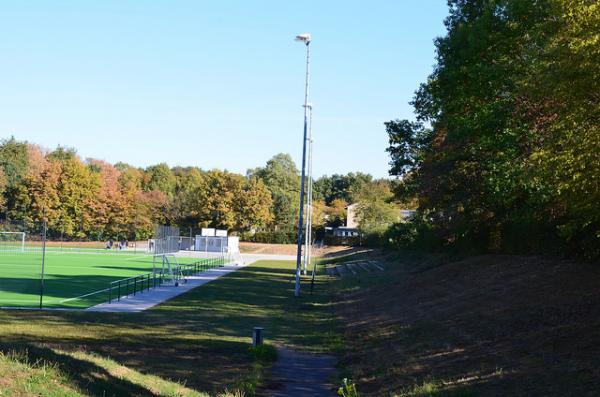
(72, 279)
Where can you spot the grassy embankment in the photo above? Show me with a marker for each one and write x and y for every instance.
(197, 343)
(426, 326)
(483, 326)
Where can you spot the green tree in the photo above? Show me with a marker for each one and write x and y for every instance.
(159, 177)
(510, 159)
(188, 205)
(131, 178)
(376, 210)
(280, 176)
(343, 187)
(13, 161)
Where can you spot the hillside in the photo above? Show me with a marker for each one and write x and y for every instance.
(483, 326)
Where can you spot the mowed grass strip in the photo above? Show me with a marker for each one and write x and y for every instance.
(199, 340)
(68, 276)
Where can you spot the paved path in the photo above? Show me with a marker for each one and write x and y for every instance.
(148, 299)
(302, 374)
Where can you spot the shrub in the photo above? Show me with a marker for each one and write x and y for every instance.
(271, 237)
(264, 353)
(339, 240)
(347, 389)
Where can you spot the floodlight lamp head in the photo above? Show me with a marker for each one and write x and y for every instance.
(304, 37)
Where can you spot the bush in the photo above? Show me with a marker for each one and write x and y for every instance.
(415, 235)
(271, 237)
(347, 389)
(264, 353)
(339, 240)
(402, 234)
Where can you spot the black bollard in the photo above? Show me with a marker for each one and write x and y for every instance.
(257, 336)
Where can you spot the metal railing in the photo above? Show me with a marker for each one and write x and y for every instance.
(144, 282)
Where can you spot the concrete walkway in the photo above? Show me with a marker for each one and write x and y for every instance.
(147, 299)
(298, 374)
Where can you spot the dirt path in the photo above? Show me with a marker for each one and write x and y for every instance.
(290, 249)
(298, 374)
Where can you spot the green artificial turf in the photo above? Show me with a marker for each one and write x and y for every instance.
(69, 276)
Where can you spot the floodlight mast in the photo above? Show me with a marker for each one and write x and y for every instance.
(305, 38)
(309, 199)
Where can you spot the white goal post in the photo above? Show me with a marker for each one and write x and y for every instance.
(12, 241)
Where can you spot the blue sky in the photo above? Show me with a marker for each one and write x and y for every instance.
(214, 84)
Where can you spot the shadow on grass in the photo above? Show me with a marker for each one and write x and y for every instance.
(83, 374)
(201, 337)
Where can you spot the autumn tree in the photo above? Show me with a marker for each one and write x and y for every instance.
(111, 209)
(130, 177)
(337, 213)
(319, 214)
(376, 210)
(147, 211)
(188, 204)
(254, 206)
(42, 180)
(503, 155)
(77, 190)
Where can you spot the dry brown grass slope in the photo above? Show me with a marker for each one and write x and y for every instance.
(484, 326)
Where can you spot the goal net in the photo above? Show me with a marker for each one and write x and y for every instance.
(171, 271)
(12, 241)
(166, 244)
(165, 241)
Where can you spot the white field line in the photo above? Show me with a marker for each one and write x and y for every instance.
(36, 258)
(99, 253)
(67, 266)
(83, 296)
(137, 257)
(51, 269)
(26, 300)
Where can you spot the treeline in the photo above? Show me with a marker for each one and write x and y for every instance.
(92, 199)
(505, 152)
